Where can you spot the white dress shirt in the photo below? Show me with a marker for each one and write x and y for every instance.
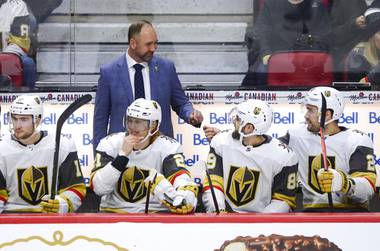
(145, 73)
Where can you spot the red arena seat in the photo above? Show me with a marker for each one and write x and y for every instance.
(11, 65)
(300, 68)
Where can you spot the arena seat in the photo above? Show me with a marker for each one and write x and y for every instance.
(11, 65)
(300, 69)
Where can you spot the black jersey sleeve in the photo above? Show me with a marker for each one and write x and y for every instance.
(285, 185)
(215, 168)
(173, 166)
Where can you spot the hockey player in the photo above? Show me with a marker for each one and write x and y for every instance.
(351, 175)
(126, 163)
(250, 171)
(26, 164)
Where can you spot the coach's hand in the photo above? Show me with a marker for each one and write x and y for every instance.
(196, 118)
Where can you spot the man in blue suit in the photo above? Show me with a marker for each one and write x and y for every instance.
(117, 85)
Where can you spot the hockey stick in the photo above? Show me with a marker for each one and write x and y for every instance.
(148, 193)
(323, 144)
(212, 191)
(64, 116)
(212, 187)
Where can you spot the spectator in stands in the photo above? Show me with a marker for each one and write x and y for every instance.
(5, 81)
(348, 28)
(253, 46)
(11, 12)
(286, 25)
(127, 162)
(20, 45)
(15, 26)
(363, 63)
(139, 73)
(41, 9)
(26, 164)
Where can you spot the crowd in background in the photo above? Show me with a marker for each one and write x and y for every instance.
(137, 91)
(333, 27)
(339, 28)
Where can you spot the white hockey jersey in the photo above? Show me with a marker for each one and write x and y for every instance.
(125, 191)
(349, 150)
(26, 171)
(250, 177)
(10, 10)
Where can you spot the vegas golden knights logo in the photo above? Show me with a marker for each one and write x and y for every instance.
(327, 94)
(241, 185)
(131, 186)
(32, 184)
(257, 110)
(315, 163)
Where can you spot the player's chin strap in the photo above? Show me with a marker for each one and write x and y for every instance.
(327, 122)
(242, 135)
(150, 134)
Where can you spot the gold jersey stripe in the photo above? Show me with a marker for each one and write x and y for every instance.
(112, 210)
(4, 194)
(117, 210)
(26, 210)
(80, 187)
(69, 203)
(370, 176)
(336, 205)
(291, 201)
(216, 181)
(172, 177)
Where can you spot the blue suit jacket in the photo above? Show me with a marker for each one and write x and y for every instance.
(114, 95)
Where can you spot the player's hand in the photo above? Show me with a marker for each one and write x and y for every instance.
(129, 142)
(58, 205)
(189, 194)
(178, 206)
(210, 132)
(360, 22)
(161, 188)
(209, 202)
(334, 181)
(196, 118)
(266, 59)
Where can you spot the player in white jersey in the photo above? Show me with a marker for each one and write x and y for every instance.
(250, 171)
(126, 162)
(26, 164)
(351, 176)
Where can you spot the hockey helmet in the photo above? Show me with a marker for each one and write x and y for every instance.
(145, 109)
(334, 100)
(255, 112)
(27, 105)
